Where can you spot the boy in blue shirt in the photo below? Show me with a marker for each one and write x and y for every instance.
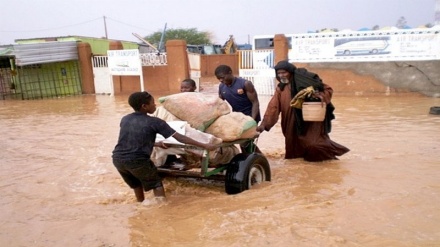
(131, 155)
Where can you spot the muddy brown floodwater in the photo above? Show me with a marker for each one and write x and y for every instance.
(59, 187)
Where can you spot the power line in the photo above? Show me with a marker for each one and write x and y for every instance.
(75, 24)
(127, 24)
(54, 28)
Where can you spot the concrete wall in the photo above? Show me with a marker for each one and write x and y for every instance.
(354, 78)
(164, 79)
(361, 78)
(208, 63)
(410, 76)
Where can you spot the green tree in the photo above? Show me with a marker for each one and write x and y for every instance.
(190, 35)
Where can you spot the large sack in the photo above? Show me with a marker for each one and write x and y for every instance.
(197, 109)
(221, 155)
(159, 155)
(191, 156)
(165, 115)
(233, 126)
(200, 137)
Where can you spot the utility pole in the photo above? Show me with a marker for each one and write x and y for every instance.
(105, 28)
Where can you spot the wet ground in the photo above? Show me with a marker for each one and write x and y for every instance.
(59, 187)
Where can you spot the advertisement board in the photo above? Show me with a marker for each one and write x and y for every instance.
(124, 62)
(420, 44)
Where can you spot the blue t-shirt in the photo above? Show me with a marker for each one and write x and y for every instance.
(137, 135)
(236, 96)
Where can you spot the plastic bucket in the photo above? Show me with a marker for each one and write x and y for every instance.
(313, 111)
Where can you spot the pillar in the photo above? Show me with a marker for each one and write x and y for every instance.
(178, 64)
(86, 68)
(115, 45)
(281, 48)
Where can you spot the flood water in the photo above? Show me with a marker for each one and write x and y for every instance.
(59, 187)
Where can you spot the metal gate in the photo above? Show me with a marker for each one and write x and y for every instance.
(7, 86)
(40, 70)
(101, 75)
(257, 66)
(39, 81)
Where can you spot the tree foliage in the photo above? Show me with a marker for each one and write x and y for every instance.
(429, 25)
(190, 35)
(401, 23)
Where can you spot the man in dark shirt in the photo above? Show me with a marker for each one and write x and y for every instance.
(131, 155)
(240, 94)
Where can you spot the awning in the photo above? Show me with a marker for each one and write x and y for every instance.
(6, 50)
(47, 52)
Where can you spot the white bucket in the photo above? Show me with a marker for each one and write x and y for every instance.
(313, 111)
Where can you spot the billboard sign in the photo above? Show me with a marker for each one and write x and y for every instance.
(124, 62)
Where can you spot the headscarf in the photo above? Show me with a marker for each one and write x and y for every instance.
(285, 65)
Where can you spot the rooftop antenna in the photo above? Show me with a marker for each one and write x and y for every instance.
(146, 42)
(105, 28)
(162, 37)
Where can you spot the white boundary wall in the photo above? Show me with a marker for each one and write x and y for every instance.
(420, 44)
(103, 78)
(355, 46)
(366, 46)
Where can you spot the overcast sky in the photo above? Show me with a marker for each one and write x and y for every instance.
(23, 19)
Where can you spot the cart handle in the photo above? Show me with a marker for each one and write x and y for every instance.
(223, 144)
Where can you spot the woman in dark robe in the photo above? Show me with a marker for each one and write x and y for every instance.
(308, 140)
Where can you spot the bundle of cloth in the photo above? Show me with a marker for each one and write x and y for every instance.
(205, 118)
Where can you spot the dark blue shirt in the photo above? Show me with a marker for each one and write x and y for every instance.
(236, 96)
(137, 135)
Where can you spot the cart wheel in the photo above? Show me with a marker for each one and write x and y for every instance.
(246, 170)
(435, 110)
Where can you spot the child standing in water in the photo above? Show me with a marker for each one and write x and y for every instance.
(188, 85)
(131, 155)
